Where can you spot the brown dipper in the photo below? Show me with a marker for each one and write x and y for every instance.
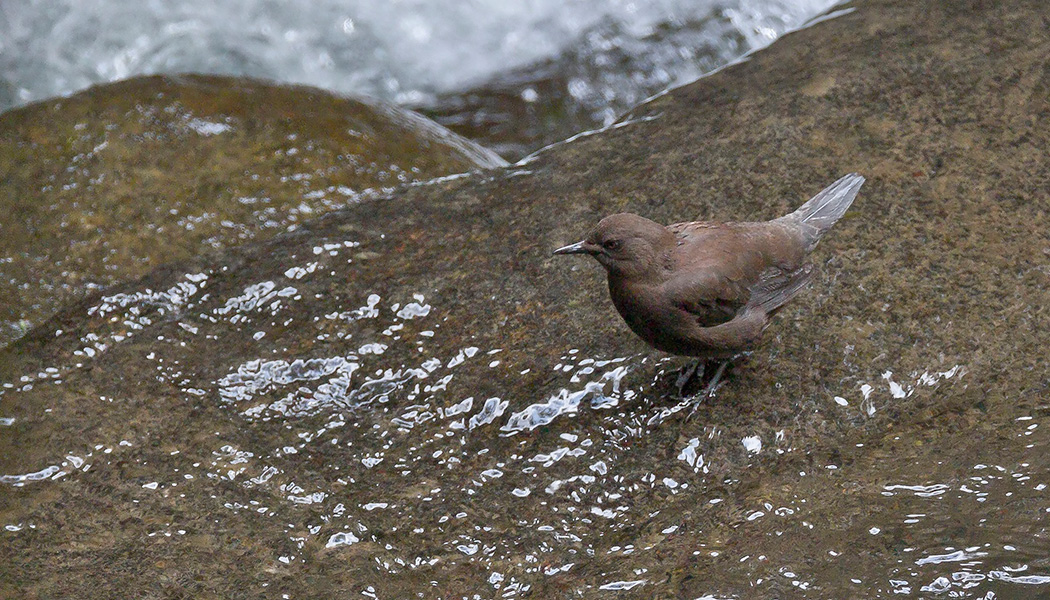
(704, 288)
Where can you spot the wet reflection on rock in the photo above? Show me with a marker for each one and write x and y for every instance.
(373, 450)
(123, 177)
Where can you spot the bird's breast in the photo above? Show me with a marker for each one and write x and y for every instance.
(660, 323)
(649, 315)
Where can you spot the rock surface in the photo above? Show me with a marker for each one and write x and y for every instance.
(411, 398)
(114, 181)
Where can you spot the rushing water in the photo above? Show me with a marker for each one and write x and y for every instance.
(403, 51)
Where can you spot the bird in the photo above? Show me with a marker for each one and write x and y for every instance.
(707, 289)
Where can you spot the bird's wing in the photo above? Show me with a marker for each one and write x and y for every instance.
(710, 297)
(775, 286)
(725, 267)
(715, 297)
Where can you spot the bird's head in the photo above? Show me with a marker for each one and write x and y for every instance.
(627, 245)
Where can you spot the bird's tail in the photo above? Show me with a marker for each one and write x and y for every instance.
(823, 210)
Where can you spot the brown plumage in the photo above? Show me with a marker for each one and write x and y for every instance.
(706, 289)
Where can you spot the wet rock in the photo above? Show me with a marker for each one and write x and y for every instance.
(106, 185)
(410, 396)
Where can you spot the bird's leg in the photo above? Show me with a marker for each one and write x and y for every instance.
(685, 377)
(711, 386)
(710, 389)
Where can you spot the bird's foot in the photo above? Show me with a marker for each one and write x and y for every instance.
(693, 371)
(709, 391)
(688, 374)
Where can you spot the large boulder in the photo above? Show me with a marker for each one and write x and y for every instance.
(112, 182)
(411, 397)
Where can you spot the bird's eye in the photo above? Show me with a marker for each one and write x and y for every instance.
(611, 244)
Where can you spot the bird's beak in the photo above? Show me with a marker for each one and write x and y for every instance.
(577, 248)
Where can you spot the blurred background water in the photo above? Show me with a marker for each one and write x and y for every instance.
(554, 66)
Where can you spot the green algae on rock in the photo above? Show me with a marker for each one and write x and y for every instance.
(410, 398)
(107, 184)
